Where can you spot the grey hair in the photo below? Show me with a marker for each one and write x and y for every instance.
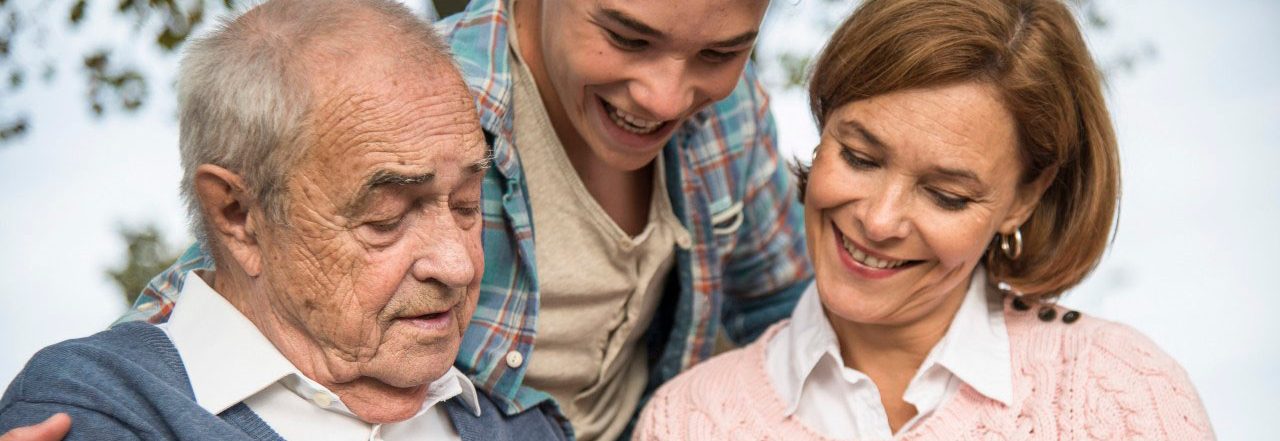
(244, 94)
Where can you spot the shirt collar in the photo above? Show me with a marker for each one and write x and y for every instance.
(975, 348)
(809, 340)
(228, 359)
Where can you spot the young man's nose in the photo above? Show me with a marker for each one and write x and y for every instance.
(665, 92)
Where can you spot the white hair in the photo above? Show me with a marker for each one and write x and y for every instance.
(244, 91)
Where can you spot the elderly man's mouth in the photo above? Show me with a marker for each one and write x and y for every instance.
(436, 321)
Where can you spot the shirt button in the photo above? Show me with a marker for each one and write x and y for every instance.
(515, 359)
(321, 399)
(684, 241)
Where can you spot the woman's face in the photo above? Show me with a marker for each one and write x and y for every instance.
(906, 192)
(625, 74)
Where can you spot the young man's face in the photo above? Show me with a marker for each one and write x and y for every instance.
(625, 73)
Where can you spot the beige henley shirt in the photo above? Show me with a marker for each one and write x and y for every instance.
(599, 286)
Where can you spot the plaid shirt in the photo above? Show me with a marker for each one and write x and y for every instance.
(745, 269)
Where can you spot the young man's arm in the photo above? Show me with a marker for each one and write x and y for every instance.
(769, 268)
(156, 300)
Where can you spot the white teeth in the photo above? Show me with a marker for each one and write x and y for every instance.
(874, 263)
(633, 124)
(870, 261)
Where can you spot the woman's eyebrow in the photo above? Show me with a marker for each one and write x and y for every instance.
(852, 127)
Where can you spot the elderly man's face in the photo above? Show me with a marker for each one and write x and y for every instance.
(380, 263)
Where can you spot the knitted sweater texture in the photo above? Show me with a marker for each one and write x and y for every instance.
(1088, 380)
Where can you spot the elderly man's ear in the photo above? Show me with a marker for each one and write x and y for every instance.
(232, 216)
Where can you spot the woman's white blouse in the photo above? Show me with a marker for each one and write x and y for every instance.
(804, 364)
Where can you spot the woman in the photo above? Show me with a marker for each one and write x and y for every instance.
(967, 176)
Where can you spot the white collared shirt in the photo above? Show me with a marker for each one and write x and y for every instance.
(804, 364)
(229, 361)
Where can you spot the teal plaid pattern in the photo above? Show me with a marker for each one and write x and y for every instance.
(745, 270)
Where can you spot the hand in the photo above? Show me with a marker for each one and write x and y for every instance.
(52, 429)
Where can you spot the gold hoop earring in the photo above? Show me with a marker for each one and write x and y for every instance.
(1014, 250)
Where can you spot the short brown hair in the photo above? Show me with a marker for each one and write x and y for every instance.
(1032, 52)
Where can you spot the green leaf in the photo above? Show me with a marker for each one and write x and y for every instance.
(77, 12)
(146, 255)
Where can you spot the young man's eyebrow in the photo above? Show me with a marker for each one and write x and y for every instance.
(634, 24)
(639, 27)
(741, 39)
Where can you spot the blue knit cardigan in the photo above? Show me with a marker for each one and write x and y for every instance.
(129, 383)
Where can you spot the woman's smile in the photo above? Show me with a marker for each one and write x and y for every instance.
(866, 263)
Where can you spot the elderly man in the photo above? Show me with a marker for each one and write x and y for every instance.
(332, 163)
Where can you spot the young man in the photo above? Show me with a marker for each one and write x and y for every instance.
(636, 205)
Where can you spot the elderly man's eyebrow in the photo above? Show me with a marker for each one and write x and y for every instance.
(387, 177)
(382, 178)
(480, 166)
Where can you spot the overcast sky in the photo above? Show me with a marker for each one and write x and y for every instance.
(1193, 265)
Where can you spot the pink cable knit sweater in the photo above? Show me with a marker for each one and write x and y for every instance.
(1089, 380)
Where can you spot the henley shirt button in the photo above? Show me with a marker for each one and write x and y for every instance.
(515, 359)
(321, 399)
(684, 241)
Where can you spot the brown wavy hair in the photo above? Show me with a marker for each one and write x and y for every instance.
(1032, 52)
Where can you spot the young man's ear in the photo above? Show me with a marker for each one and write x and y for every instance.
(1028, 198)
(228, 209)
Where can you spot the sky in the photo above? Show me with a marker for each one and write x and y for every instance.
(1193, 264)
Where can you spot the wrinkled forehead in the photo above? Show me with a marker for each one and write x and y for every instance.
(380, 111)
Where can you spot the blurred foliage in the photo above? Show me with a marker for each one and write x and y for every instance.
(1092, 17)
(148, 255)
(111, 85)
(26, 28)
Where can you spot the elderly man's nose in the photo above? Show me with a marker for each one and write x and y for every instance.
(666, 93)
(445, 258)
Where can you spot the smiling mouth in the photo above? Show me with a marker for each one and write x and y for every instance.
(630, 123)
(865, 259)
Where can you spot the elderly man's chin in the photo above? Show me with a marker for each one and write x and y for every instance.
(411, 356)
